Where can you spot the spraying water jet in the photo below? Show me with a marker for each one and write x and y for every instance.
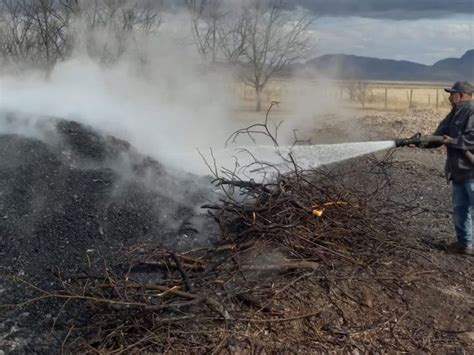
(259, 161)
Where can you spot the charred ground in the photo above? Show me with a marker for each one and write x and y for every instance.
(372, 273)
(69, 197)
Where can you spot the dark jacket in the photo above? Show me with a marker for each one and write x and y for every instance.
(458, 124)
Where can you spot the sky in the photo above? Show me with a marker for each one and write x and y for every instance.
(422, 31)
(424, 40)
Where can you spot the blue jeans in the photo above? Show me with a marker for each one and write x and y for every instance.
(463, 201)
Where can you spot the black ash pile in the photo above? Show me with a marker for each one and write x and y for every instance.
(70, 196)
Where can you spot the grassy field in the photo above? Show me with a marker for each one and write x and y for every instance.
(368, 95)
(325, 113)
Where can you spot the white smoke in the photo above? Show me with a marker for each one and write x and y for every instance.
(158, 96)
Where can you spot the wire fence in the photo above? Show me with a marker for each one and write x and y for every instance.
(367, 95)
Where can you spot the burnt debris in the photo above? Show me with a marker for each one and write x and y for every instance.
(311, 261)
(69, 193)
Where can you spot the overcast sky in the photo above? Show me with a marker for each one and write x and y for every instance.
(394, 9)
(422, 31)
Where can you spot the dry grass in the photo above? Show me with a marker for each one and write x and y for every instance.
(399, 95)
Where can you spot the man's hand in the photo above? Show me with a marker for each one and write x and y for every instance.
(446, 140)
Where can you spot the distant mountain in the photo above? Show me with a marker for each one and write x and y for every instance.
(456, 66)
(346, 67)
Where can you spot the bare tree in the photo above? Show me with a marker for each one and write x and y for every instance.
(358, 91)
(126, 15)
(50, 26)
(124, 22)
(274, 38)
(16, 40)
(41, 32)
(233, 38)
(261, 35)
(114, 26)
(33, 31)
(208, 18)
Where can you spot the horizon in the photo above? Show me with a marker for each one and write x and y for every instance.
(385, 58)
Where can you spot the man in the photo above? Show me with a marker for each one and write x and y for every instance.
(458, 131)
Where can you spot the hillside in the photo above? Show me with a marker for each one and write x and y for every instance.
(345, 67)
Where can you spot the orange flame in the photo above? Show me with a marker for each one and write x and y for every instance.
(318, 212)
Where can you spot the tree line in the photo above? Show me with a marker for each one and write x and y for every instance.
(259, 37)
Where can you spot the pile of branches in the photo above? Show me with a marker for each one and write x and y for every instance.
(309, 218)
(334, 212)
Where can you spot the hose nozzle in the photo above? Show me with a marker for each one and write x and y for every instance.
(418, 140)
(413, 140)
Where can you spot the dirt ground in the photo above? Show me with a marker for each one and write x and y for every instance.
(415, 297)
(440, 299)
(418, 296)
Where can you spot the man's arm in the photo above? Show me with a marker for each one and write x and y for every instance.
(441, 130)
(466, 140)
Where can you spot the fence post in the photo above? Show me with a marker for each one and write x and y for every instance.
(386, 98)
(437, 98)
(411, 99)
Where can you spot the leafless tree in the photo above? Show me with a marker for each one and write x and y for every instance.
(261, 35)
(124, 15)
(33, 31)
(218, 29)
(208, 19)
(41, 32)
(16, 40)
(274, 38)
(358, 90)
(51, 26)
(233, 38)
(110, 26)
